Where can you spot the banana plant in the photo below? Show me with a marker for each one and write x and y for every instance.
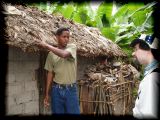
(83, 13)
(129, 22)
(132, 22)
(121, 25)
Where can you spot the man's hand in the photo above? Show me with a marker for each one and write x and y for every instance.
(42, 44)
(46, 101)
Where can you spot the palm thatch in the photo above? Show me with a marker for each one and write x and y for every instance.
(24, 26)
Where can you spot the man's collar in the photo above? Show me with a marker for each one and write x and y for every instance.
(150, 67)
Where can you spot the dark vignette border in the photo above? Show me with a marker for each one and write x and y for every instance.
(4, 59)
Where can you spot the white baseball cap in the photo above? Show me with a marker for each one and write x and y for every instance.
(153, 42)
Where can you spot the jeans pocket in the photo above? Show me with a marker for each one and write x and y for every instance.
(73, 90)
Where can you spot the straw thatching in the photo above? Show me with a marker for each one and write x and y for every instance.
(25, 25)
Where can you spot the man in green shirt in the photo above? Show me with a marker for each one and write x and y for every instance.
(61, 64)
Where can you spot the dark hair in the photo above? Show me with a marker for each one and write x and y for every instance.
(60, 30)
(156, 54)
(142, 44)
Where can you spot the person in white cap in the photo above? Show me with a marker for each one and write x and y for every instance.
(145, 52)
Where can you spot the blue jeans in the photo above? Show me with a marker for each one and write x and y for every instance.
(64, 100)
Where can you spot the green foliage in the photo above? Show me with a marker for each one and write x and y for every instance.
(68, 10)
(135, 92)
(130, 21)
(108, 32)
(127, 22)
(82, 13)
(104, 12)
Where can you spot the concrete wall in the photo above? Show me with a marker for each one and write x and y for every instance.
(22, 94)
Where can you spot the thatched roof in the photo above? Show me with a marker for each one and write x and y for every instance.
(24, 24)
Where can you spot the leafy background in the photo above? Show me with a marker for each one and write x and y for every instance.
(120, 22)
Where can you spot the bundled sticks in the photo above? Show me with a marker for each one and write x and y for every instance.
(107, 89)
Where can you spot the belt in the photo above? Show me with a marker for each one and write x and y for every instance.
(63, 85)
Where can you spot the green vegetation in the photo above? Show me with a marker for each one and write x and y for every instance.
(119, 22)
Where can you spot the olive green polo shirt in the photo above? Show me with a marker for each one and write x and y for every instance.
(64, 68)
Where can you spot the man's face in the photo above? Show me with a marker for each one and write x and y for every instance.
(140, 55)
(63, 39)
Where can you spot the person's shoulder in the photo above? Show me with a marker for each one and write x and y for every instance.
(157, 70)
(153, 77)
(50, 53)
(71, 45)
